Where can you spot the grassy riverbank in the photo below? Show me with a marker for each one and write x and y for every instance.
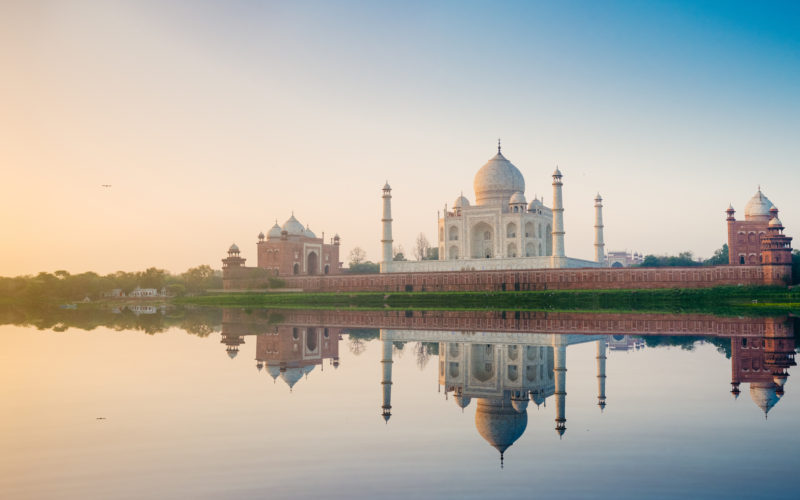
(722, 300)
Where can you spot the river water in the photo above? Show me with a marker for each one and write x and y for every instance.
(299, 404)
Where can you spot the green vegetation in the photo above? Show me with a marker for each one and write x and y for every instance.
(61, 286)
(796, 267)
(721, 300)
(686, 259)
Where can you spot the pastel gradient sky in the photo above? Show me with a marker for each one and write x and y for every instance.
(212, 119)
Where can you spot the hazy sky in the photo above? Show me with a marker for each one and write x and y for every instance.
(212, 119)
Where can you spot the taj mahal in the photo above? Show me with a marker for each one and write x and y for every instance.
(501, 230)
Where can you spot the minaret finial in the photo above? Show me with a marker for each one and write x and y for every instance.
(498, 146)
(501, 459)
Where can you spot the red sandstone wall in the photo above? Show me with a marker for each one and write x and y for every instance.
(535, 279)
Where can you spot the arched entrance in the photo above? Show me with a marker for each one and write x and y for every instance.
(296, 268)
(482, 241)
(312, 263)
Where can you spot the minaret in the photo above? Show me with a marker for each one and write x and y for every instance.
(601, 373)
(599, 245)
(560, 348)
(386, 240)
(386, 382)
(557, 259)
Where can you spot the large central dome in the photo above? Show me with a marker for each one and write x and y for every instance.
(496, 181)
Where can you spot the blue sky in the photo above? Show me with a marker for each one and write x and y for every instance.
(212, 119)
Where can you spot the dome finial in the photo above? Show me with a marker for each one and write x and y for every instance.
(498, 145)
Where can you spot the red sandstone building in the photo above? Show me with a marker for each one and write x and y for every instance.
(288, 250)
(758, 239)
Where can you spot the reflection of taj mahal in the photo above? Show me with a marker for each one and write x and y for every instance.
(503, 377)
(501, 230)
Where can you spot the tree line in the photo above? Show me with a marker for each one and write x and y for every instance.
(63, 286)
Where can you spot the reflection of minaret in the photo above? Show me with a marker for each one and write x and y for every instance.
(601, 374)
(560, 369)
(386, 382)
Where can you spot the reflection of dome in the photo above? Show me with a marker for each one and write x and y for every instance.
(293, 226)
(498, 423)
(274, 232)
(763, 395)
(308, 369)
(462, 401)
(461, 202)
(232, 352)
(273, 371)
(537, 398)
(520, 405)
(496, 181)
(260, 366)
(291, 376)
(758, 207)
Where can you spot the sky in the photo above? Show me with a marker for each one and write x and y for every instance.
(211, 120)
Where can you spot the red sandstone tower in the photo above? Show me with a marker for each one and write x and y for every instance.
(776, 253)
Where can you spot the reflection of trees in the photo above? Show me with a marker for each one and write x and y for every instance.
(196, 321)
(423, 352)
(356, 346)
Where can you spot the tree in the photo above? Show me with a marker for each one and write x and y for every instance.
(421, 247)
(357, 256)
(398, 253)
(433, 254)
(795, 267)
(683, 259)
(720, 257)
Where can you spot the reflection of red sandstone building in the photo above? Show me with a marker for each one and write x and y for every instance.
(290, 250)
(288, 352)
(759, 239)
(291, 352)
(763, 361)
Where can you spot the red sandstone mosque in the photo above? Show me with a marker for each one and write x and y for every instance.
(287, 250)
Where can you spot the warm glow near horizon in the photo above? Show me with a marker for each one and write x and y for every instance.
(210, 120)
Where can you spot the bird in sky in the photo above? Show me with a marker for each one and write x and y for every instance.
(106, 185)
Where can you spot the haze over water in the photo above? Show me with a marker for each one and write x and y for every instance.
(119, 413)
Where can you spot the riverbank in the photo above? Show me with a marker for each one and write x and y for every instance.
(720, 300)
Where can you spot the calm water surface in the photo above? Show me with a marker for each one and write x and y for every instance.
(260, 404)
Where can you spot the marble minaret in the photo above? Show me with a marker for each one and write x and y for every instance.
(599, 245)
(558, 256)
(386, 240)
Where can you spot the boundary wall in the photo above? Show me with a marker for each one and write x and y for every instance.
(518, 280)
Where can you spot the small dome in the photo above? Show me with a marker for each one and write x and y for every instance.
(517, 198)
(309, 233)
(261, 235)
(273, 371)
(598, 197)
(496, 181)
(557, 173)
(535, 204)
(758, 207)
(233, 248)
(461, 202)
(521, 405)
(293, 227)
(462, 401)
(386, 186)
(763, 395)
(274, 231)
(291, 376)
(775, 222)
